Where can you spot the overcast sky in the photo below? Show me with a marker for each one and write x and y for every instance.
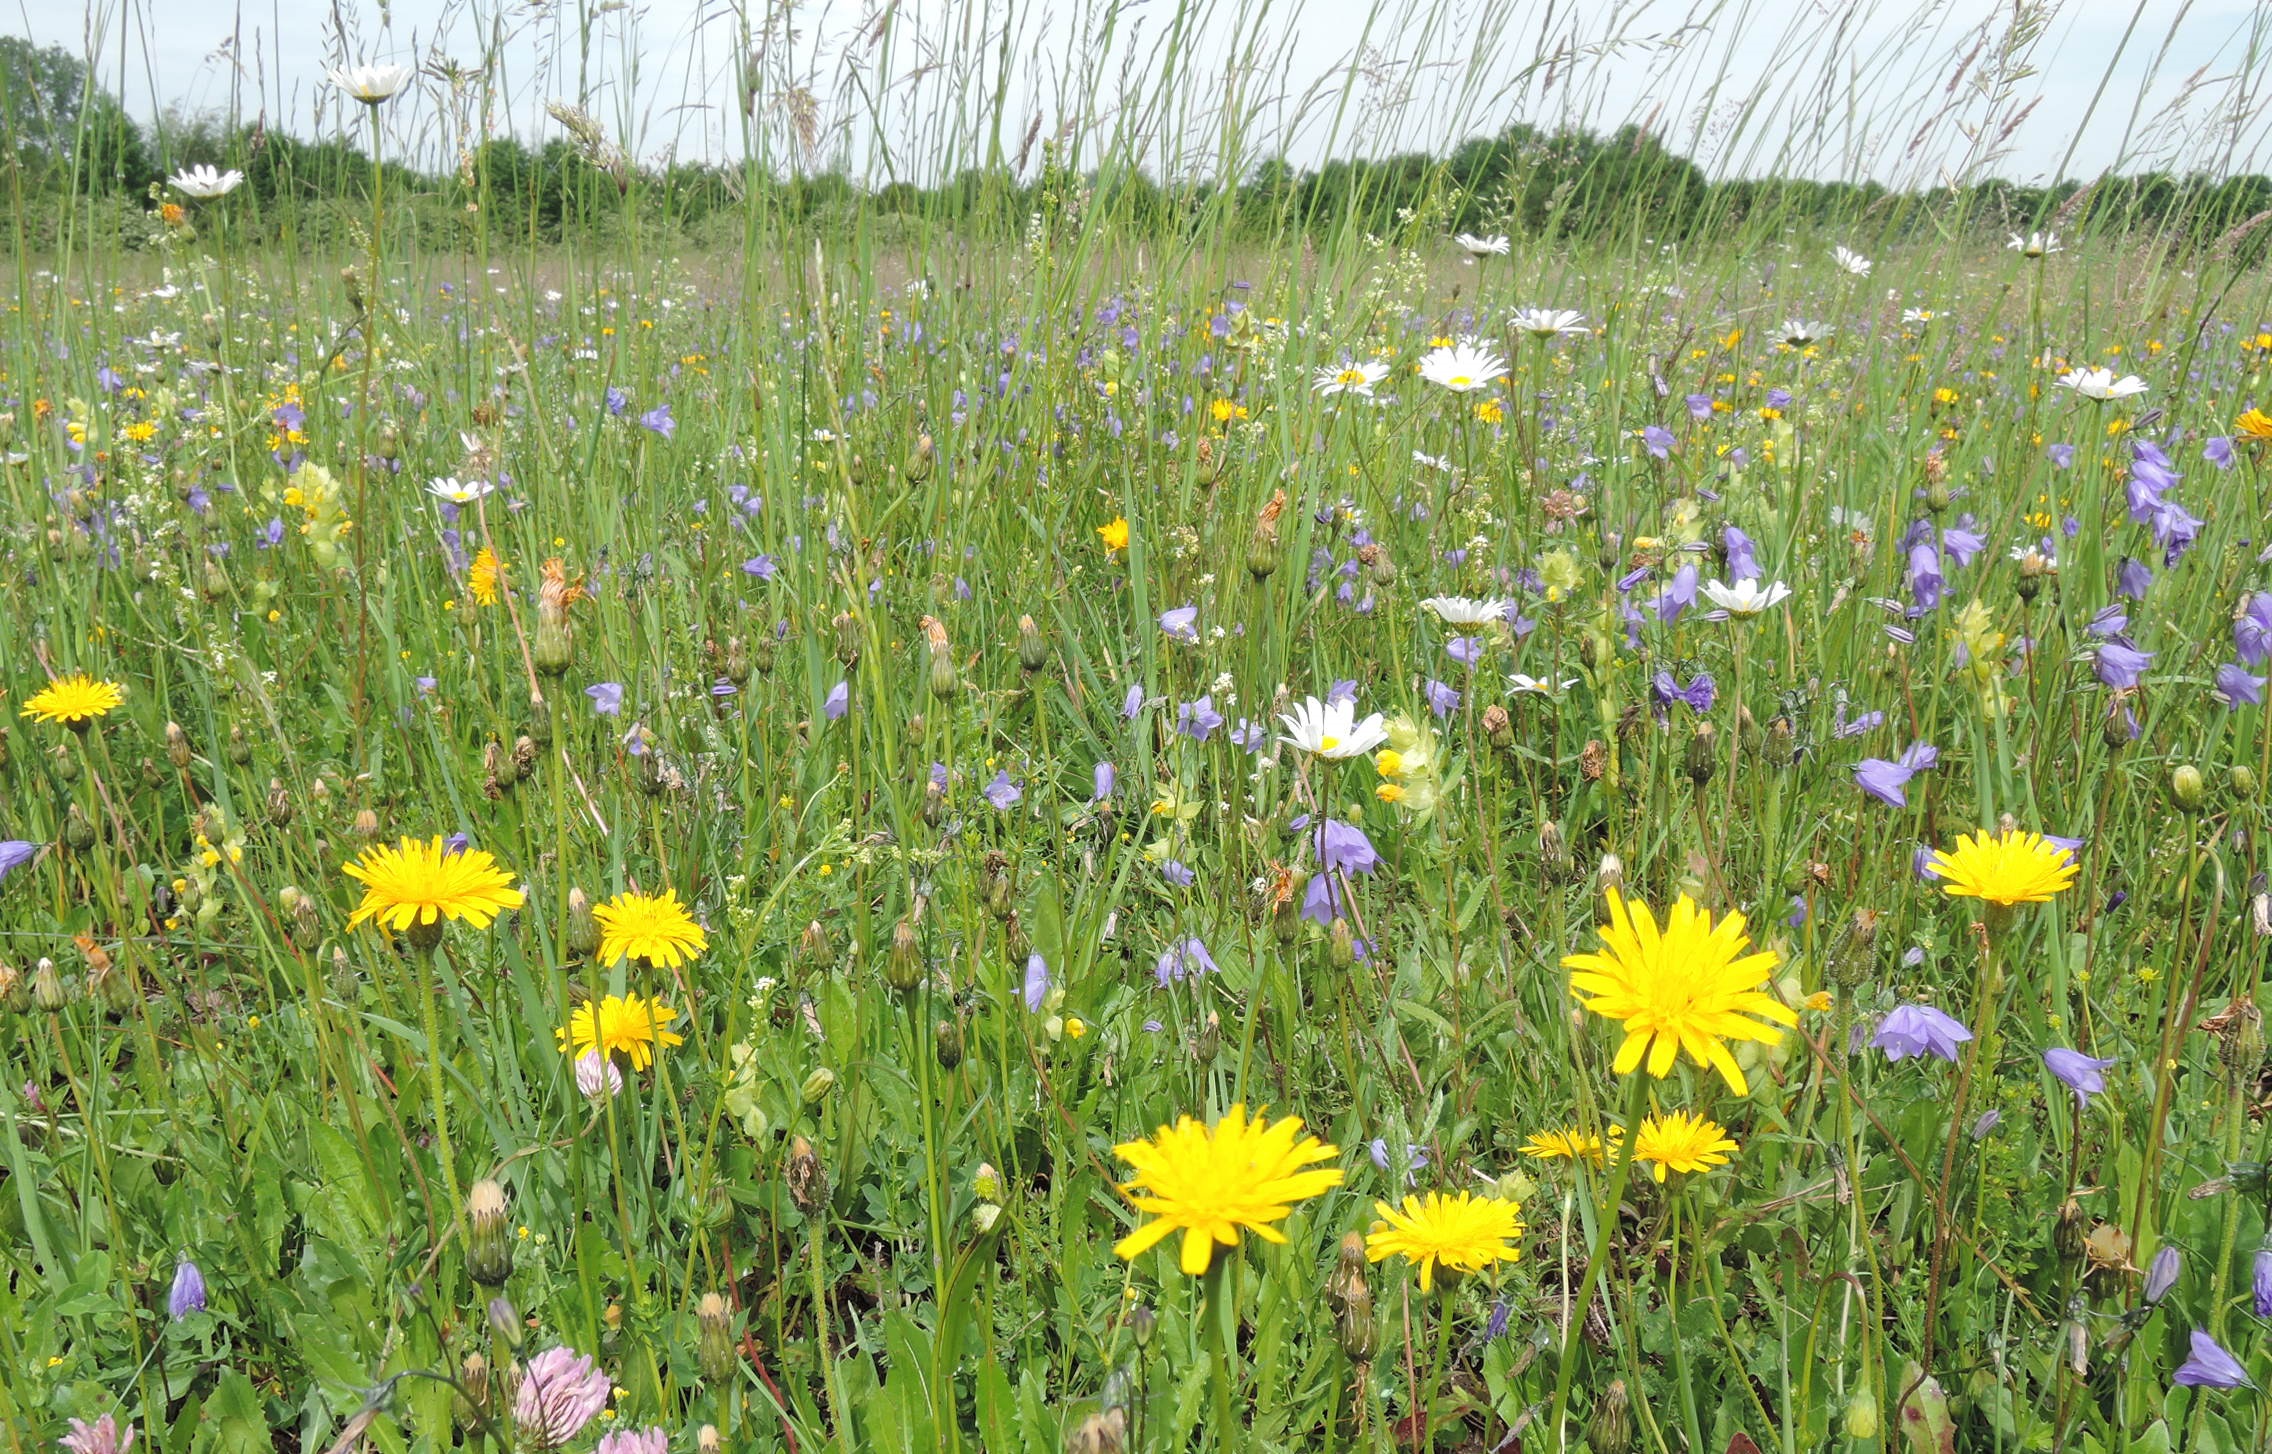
(1905, 91)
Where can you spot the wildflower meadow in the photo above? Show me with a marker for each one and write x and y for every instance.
(1056, 814)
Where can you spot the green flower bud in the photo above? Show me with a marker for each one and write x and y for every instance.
(2186, 789)
(817, 1085)
(489, 1235)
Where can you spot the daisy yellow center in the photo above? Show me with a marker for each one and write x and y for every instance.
(1350, 376)
(1460, 381)
(1327, 743)
(1689, 986)
(414, 884)
(1212, 1183)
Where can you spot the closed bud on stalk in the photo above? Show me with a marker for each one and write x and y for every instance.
(151, 777)
(946, 1041)
(1554, 855)
(505, 1323)
(66, 763)
(903, 964)
(1105, 1432)
(1937, 497)
(554, 646)
(471, 1406)
(707, 1440)
(2030, 583)
(808, 1179)
(847, 637)
(737, 661)
(524, 757)
(943, 680)
(1286, 917)
(489, 1237)
(2241, 1045)
(177, 745)
(983, 1216)
(351, 278)
(817, 1085)
(714, 1338)
(1377, 565)
(279, 804)
(916, 727)
(1340, 944)
(812, 945)
(48, 991)
(1208, 1043)
(999, 883)
(1142, 1324)
(986, 1183)
(15, 990)
(1352, 1292)
(1702, 758)
(1498, 727)
(761, 654)
(1610, 874)
(1782, 742)
(213, 580)
(2186, 789)
(918, 466)
(934, 804)
(1015, 944)
(1610, 1430)
(367, 823)
(78, 829)
(2260, 907)
(1862, 1414)
(2242, 777)
(583, 929)
(239, 749)
(1033, 652)
(1263, 551)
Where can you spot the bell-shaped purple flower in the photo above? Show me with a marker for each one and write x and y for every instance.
(1181, 624)
(2210, 1366)
(1919, 1030)
(2083, 1074)
(188, 1292)
(1037, 981)
(2161, 1273)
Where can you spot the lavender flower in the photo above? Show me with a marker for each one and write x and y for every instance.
(660, 421)
(1177, 874)
(2260, 1282)
(1465, 650)
(1678, 596)
(1132, 704)
(1442, 700)
(561, 1391)
(607, 697)
(2120, 664)
(1184, 958)
(2132, 577)
(839, 701)
(14, 854)
(1002, 792)
(2161, 1273)
(2210, 1366)
(1925, 581)
(761, 566)
(2252, 629)
(1037, 981)
(1743, 555)
(2080, 1073)
(1699, 694)
(1198, 720)
(1658, 440)
(188, 1292)
(1181, 624)
(1106, 777)
(2234, 686)
(1919, 1030)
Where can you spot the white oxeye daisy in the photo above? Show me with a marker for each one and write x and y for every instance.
(1431, 461)
(1918, 316)
(371, 85)
(1746, 598)
(1463, 367)
(1464, 610)
(1549, 322)
(1851, 261)
(1540, 686)
(457, 491)
(2100, 385)
(1350, 378)
(1331, 729)
(2034, 244)
(1482, 246)
(204, 183)
(1799, 332)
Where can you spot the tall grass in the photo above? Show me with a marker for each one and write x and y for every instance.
(832, 458)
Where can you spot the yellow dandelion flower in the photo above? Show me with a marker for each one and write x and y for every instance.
(419, 885)
(74, 701)
(1689, 986)
(1463, 1233)
(1570, 1144)
(2254, 424)
(631, 1026)
(2010, 868)
(486, 577)
(1679, 1141)
(654, 928)
(1212, 1182)
(1115, 533)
